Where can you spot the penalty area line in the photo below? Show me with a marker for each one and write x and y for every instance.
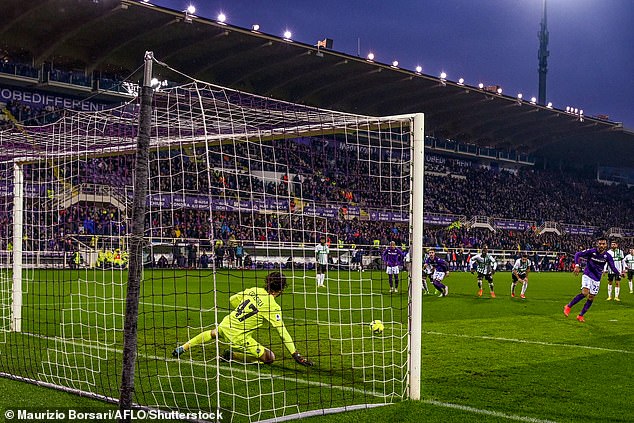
(487, 412)
(526, 341)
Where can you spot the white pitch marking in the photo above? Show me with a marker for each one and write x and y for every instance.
(213, 365)
(488, 412)
(525, 341)
(314, 383)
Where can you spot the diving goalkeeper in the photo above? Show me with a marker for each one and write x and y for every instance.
(251, 308)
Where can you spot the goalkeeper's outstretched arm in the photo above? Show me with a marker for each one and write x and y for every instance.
(288, 341)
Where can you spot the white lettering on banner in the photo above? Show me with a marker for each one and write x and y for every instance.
(33, 98)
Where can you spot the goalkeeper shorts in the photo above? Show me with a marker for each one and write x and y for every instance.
(241, 342)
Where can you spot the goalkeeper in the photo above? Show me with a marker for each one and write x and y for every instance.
(251, 308)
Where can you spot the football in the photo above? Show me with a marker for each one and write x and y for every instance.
(376, 326)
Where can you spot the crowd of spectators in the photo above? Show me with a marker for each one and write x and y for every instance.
(321, 172)
(529, 194)
(17, 112)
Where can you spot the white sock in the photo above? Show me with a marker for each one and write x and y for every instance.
(513, 286)
(609, 290)
(617, 291)
(631, 286)
(524, 286)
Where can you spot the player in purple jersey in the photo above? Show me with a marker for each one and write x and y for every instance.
(591, 280)
(441, 270)
(392, 257)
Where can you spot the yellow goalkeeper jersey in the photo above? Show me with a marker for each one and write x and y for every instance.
(251, 308)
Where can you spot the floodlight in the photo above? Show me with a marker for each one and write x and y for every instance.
(419, 69)
(533, 100)
(443, 75)
(370, 56)
(581, 112)
(519, 96)
(499, 90)
(461, 81)
(287, 34)
(567, 109)
(222, 17)
(549, 105)
(481, 85)
(191, 9)
(395, 64)
(255, 27)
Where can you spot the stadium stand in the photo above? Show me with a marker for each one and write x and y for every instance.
(524, 195)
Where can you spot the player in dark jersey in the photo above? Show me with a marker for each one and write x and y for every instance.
(596, 259)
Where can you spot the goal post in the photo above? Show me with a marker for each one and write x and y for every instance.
(417, 254)
(117, 269)
(18, 209)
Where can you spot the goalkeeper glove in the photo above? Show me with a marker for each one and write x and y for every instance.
(302, 360)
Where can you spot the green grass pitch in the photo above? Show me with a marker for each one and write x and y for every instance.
(484, 359)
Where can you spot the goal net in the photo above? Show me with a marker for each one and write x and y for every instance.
(239, 186)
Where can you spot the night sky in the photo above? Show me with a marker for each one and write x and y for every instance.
(591, 63)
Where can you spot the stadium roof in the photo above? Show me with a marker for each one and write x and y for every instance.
(112, 36)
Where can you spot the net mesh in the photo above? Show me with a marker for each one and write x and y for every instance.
(239, 186)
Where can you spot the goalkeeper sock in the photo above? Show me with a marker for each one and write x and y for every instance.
(198, 339)
(390, 280)
(396, 281)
